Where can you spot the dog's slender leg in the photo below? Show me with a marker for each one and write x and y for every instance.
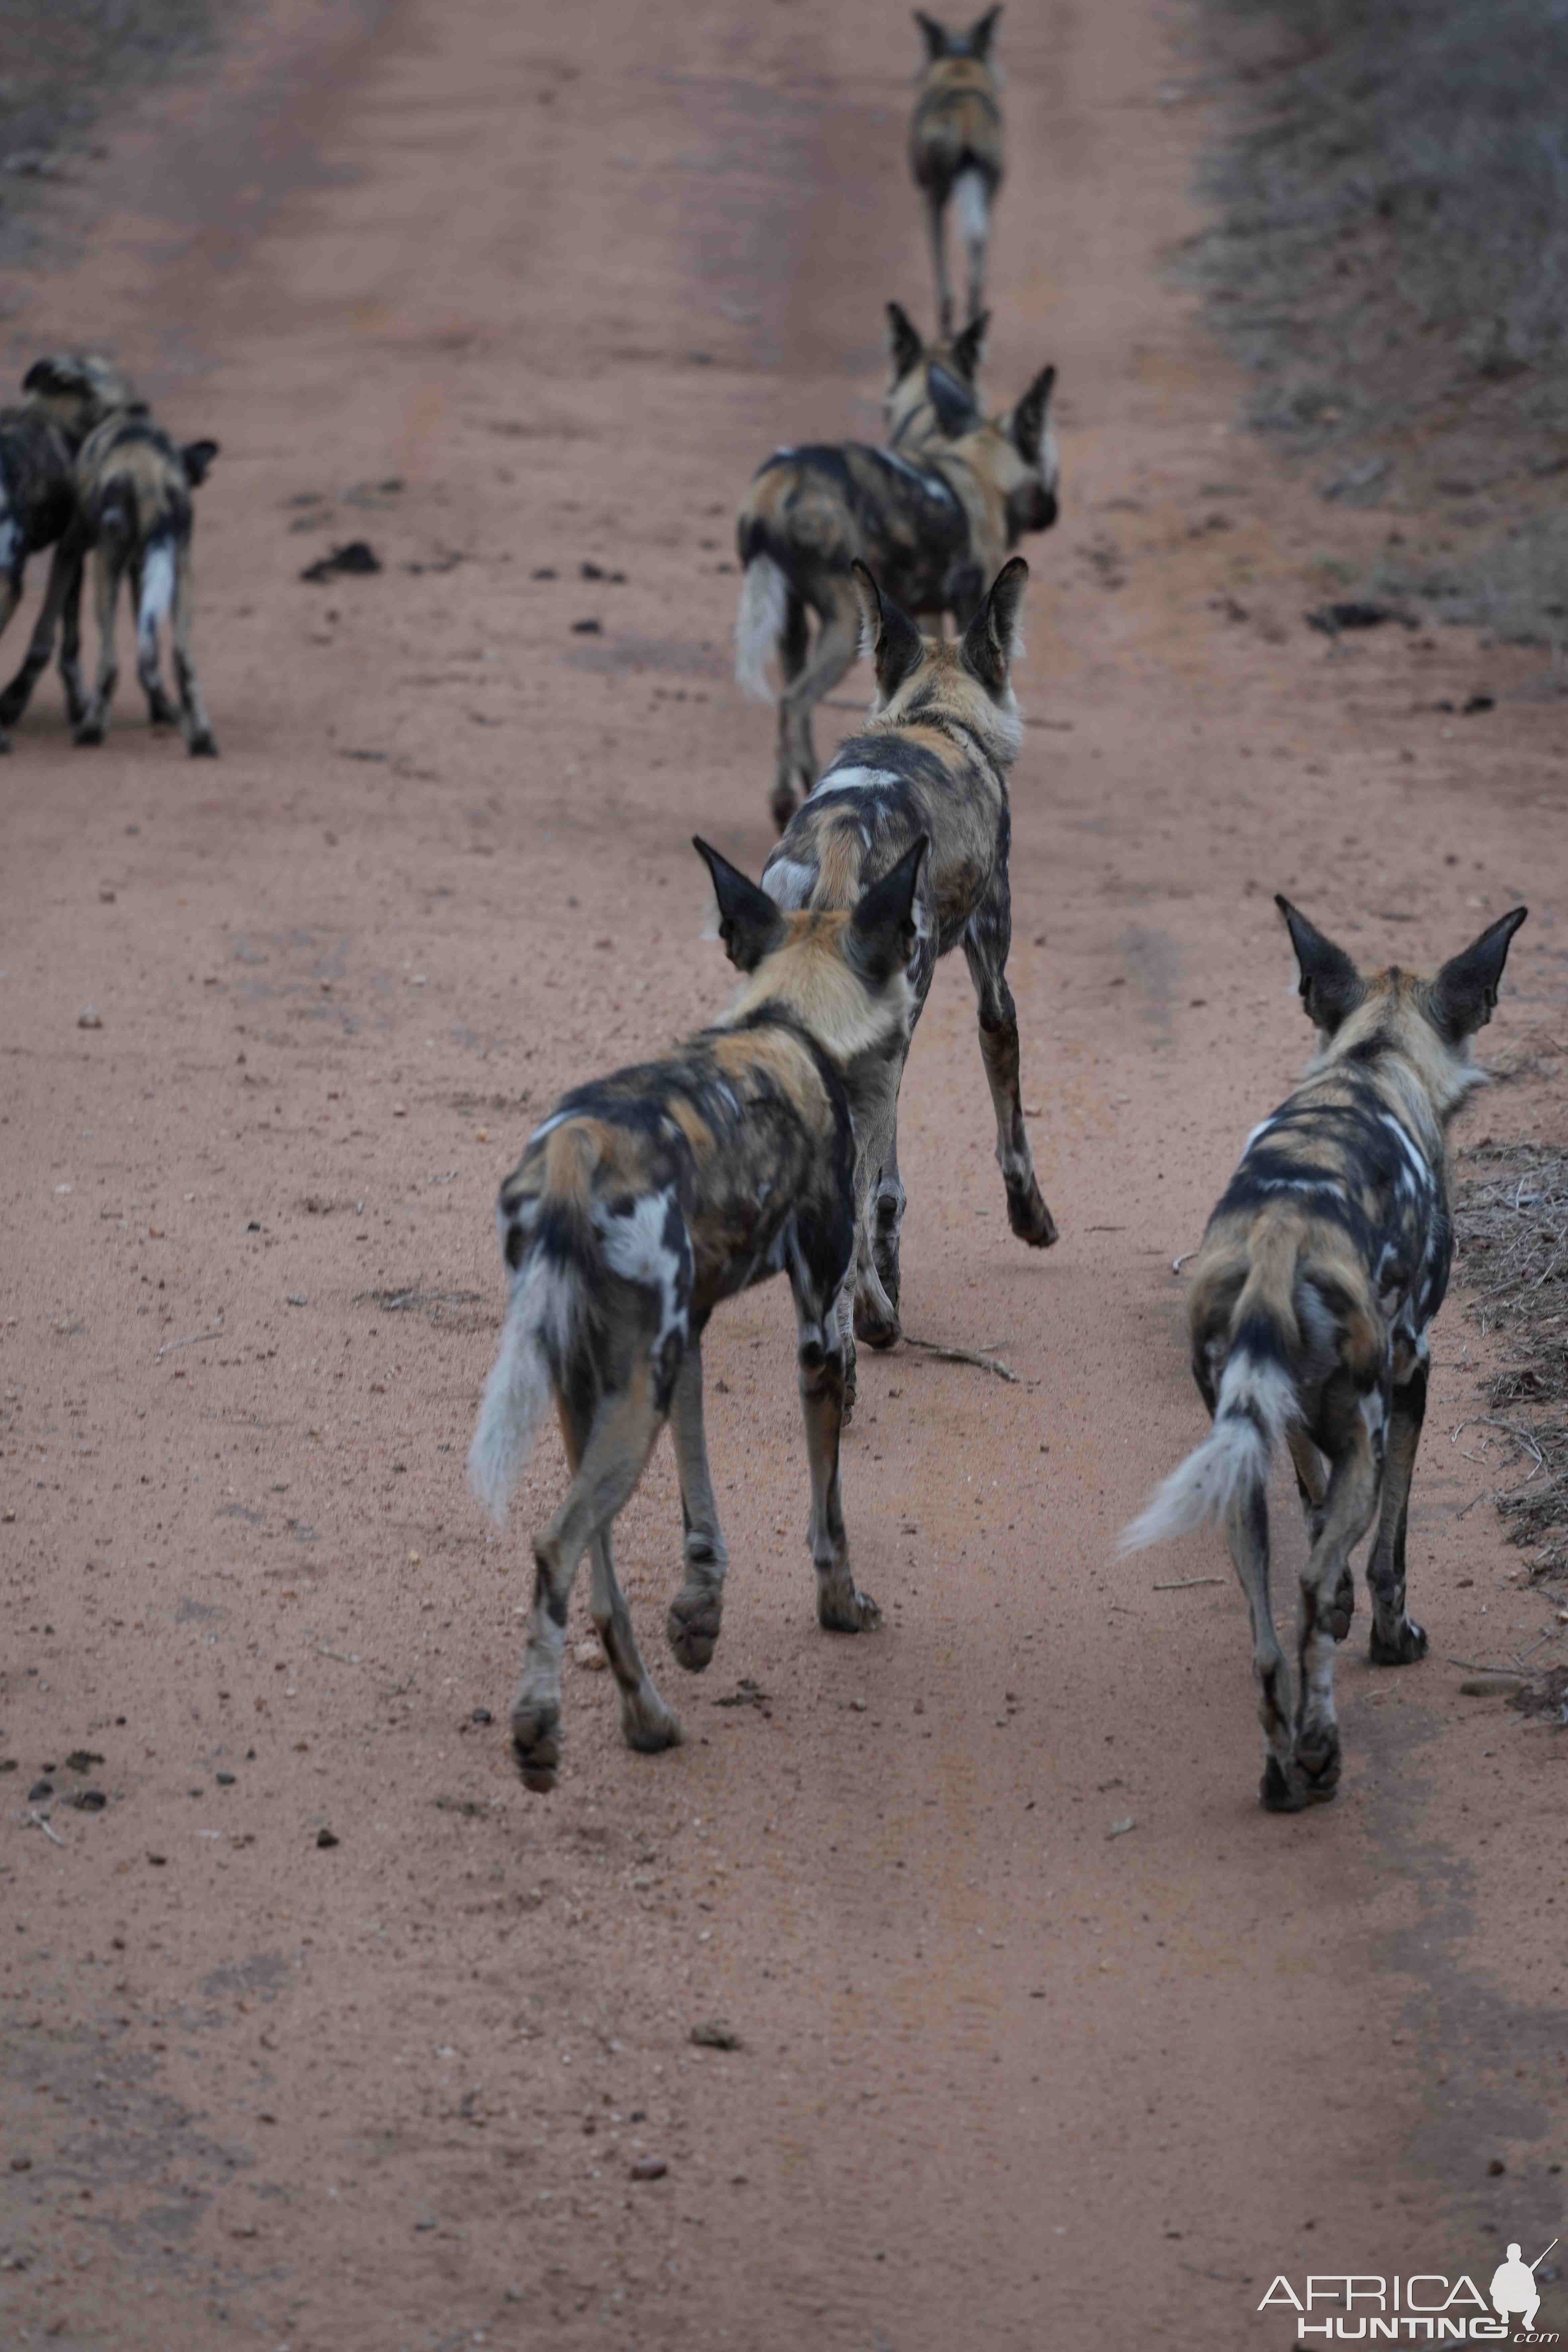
(838, 642)
(1348, 1510)
(70, 642)
(194, 724)
(63, 563)
(108, 564)
(1247, 1532)
(936, 208)
(1312, 1486)
(624, 1427)
(694, 1614)
(647, 1723)
(1396, 1639)
(987, 940)
(840, 1608)
(844, 1318)
(876, 1154)
(793, 648)
(10, 597)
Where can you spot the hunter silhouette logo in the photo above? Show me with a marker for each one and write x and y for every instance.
(1513, 2291)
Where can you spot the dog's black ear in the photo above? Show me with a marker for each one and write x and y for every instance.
(969, 349)
(750, 924)
(195, 458)
(44, 376)
(1032, 416)
(1464, 994)
(1331, 987)
(905, 349)
(935, 36)
(887, 634)
(882, 928)
(953, 399)
(992, 638)
(982, 33)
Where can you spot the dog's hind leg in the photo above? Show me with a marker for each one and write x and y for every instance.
(108, 568)
(1396, 1639)
(936, 209)
(71, 643)
(1312, 1487)
(987, 937)
(194, 724)
(879, 1210)
(625, 1424)
(161, 711)
(1247, 1532)
(65, 568)
(1348, 1509)
(693, 1625)
(837, 643)
(647, 1723)
(841, 1608)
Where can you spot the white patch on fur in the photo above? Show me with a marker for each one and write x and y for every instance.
(544, 1307)
(760, 623)
(1232, 1460)
(853, 780)
(974, 206)
(10, 537)
(788, 884)
(157, 591)
(635, 1248)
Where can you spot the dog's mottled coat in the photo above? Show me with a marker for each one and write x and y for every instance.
(1319, 1274)
(641, 1203)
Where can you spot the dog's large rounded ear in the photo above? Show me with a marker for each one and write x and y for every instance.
(905, 349)
(935, 35)
(1464, 994)
(1032, 416)
(967, 351)
(882, 930)
(1331, 987)
(992, 638)
(750, 924)
(983, 32)
(887, 634)
(196, 456)
(953, 399)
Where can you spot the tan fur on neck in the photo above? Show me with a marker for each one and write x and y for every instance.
(810, 978)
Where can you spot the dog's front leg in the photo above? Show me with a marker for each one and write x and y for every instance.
(63, 563)
(987, 940)
(693, 1625)
(840, 1607)
(879, 1207)
(1396, 1639)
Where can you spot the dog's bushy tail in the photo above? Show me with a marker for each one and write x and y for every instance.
(1256, 1404)
(157, 589)
(972, 199)
(760, 623)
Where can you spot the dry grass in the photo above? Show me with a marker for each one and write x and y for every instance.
(1512, 1220)
(1392, 262)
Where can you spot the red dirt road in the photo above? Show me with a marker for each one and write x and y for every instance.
(1005, 2077)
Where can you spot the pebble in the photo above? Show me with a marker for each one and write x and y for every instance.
(654, 2167)
(1491, 1685)
(325, 1837)
(39, 1790)
(1119, 1829)
(224, 1780)
(89, 1017)
(589, 1655)
(713, 2034)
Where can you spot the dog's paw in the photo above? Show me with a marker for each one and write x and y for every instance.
(90, 734)
(1317, 1762)
(1030, 1219)
(536, 1742)
(691, 1627)
(1402, 1648)
(204, 744)
(841, 1609)
(647, 1724)
(1342, 1609)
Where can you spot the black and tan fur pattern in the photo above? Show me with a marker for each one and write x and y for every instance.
(931, 764)
(640, 1204)
(932, 518)
(67, 395)
(1319, 1276)
(955, 148)
(133, 498)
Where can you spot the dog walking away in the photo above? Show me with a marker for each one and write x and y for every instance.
(66, 396)
(930, 764)
(955, 148)
(643, 1201)
(134, 496)
(1319, 1274)
(933, 518)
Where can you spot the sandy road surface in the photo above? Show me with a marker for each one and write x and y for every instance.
(1003, 2078)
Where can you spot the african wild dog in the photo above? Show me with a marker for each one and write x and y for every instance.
(134, 496)
(931, 764)
(932, 518)
(643, 1201)
(955, 147)
(68, 394)
(1320, 1271)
